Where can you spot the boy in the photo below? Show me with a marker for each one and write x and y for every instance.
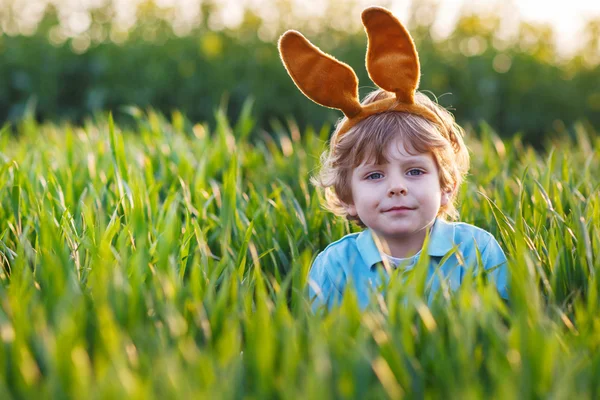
(394, 166)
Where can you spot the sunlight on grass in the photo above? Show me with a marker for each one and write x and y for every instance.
(170, 261)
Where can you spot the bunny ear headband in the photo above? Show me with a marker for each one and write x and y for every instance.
(392, 64)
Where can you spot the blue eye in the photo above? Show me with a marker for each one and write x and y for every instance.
(375, 175)
(415, 172)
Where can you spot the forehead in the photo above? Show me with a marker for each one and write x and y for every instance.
(396, 149)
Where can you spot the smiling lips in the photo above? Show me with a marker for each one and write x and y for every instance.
(398, 209)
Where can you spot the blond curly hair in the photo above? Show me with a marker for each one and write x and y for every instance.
(370, 138)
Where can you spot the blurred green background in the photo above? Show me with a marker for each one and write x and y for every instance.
(68, 61)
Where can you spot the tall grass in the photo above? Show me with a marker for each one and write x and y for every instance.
(171, 261)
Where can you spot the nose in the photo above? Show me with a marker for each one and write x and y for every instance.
(397, 188)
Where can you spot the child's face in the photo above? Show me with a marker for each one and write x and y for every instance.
(399, 199)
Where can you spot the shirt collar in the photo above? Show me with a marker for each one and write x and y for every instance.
(441, 242)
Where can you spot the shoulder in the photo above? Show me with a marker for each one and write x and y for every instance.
(470, 237)
(479, 247)
(464, 232)
(329, 268)
(343, 247)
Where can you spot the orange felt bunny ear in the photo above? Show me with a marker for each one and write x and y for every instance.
(392, 60)
(322, 78)
(392, 63)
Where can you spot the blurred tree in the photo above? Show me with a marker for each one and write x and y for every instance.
(151, 61)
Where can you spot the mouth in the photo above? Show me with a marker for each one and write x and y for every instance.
(398, 209)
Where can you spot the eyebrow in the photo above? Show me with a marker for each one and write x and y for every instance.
(407, 160)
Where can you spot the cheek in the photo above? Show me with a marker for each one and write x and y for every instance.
(430, 192)
(365, 195)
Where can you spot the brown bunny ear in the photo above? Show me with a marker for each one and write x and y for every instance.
(322, 78)
(392, 60)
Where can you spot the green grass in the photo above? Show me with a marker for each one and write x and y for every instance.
(170, 261)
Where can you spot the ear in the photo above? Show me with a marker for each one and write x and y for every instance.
(321, 78)
(392, 60)
(351, 209)
(447, 195)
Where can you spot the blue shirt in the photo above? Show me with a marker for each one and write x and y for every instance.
(356, 256)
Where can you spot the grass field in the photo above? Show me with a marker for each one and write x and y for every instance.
(170, 261)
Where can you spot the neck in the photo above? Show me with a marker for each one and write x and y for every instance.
(403, 247)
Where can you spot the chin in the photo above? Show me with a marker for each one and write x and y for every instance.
(404, 228)
(395, 231)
